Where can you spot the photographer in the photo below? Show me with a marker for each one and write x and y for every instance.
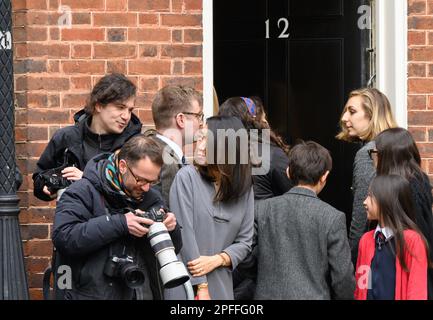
(99, 237)
(104, 125)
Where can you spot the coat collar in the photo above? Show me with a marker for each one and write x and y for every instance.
(177, 150)
(302, 191)
(387, 232)
(166, 147)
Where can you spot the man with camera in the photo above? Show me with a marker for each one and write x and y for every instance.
(102, 223)
(104, 125)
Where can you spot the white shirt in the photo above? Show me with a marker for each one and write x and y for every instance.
(177, 150)
(387, 232)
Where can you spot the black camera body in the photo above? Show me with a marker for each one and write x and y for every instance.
(54, 180)
(156, 214)
(125, 268)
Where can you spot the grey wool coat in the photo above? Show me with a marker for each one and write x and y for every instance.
(363, 173)
(303, 250)
(209, 228)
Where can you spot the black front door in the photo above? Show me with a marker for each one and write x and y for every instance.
(302, 58)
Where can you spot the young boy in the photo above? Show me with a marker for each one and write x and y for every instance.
(303, 251)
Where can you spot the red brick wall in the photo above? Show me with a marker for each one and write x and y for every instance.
(420, 78)
(154, 42)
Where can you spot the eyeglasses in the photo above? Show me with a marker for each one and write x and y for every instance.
(141, 181)
(372, 153)
(198, 115)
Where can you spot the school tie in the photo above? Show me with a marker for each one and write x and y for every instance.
(184, 163)
(380, 240)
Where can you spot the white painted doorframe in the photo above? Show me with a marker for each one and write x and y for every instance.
(391, 54)
(208, 58)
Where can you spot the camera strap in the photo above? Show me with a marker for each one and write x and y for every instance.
(108, 214)
(139, 294)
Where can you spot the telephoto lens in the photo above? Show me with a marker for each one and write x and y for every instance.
(173, 272)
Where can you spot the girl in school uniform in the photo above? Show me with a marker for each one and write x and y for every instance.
(397, 153)
(392, 259)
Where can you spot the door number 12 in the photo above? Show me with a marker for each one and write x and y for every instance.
(284, 22)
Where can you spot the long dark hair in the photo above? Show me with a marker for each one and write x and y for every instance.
(237, 107)
(393, 197)
(234, 178)
(398, 154)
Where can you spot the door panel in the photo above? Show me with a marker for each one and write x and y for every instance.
(304, 79)
(246, 81)
(320, 8)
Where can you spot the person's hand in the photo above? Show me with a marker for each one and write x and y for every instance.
(170, 221)
(203, 294)
(203, 265)
(45, 190)
(135, 224)
(72, 173)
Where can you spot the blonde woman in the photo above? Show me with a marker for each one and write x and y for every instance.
(366, 114)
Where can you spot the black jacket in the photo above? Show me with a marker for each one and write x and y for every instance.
(422, 195)
(75, 138)
(275, 182)
(90, 226)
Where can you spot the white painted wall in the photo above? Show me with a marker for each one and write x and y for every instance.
(207, 58)
(391, 54)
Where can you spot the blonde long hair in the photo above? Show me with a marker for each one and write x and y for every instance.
(377, 109)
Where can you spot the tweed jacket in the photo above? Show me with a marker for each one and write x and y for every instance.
(303, 250)
(363, 173)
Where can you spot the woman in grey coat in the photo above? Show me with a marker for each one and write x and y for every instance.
(366, 114)
(214, 203)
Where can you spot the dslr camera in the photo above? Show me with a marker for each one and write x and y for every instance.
(156, 214)
(172, 271)
(124, 267)
(53, 178)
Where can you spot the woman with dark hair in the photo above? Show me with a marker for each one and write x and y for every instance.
(392, 260)
(272, 181)
(397, 153)
(213, 202)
